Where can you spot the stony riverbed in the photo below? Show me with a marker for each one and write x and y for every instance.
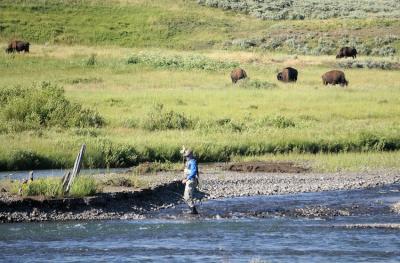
(166, 191)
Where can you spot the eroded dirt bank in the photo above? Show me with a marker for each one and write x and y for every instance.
(121, 205)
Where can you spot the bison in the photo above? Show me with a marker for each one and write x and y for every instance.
(334, 77)
(345, 52)
(17, 46)
(287, 75)
(238, 74)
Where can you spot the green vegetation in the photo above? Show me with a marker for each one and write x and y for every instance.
(134, 95)
(84, 186)
(52, 187)
(150, 112)
(40, 107)
(306, 9)
(187, 62)
(134, 23)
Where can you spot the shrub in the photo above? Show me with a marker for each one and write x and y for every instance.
(230, 125)
(104, 153)
(307, 9)
(385, 51)
(49, 187)
(84, 80)
(83, 186)
(91, 61)
(26, 159)
(255, 84)
(366, 64)
(188, 62)
(280, 122)
(319, 44)
(44, 106)
(160, 119)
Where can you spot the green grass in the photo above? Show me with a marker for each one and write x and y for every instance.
(83, 186)
(185, 25)
(206, 112)
(139, 23)
(123, 58)
(52, 187)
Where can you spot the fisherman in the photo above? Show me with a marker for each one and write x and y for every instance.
(191, 179)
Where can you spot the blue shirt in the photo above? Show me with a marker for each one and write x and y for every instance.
(191, 166)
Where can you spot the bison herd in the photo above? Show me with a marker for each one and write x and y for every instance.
(288, 74)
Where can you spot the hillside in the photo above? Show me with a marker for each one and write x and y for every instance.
(299, 27)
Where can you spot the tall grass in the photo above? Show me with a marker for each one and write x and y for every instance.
(52, 187)
(83, 186)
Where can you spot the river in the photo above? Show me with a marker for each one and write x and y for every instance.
(244, 229)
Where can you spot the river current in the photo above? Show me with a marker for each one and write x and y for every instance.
(228, 230)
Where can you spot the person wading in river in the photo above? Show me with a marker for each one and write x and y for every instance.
(191, 179)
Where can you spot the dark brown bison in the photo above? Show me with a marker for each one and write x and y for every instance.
(334, 77)
(287, 75)
(17, 46)
(345, 52)
(238, 74)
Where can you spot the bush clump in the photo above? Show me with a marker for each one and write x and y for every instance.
(280, 122)
(308, 9)
(188, 62)
(43, 106)
(52, 187)
(106, 154)
(49, 187)
(371, 64)
(314, 43)
(160, 119)
(255, 84)
(83, 186)
(91, 61)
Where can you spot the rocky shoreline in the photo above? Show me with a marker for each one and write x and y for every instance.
(165, 190)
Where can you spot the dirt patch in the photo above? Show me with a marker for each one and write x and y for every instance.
(266, 167)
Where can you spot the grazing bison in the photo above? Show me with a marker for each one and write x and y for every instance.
(17, 46)
(237, 74)
(287, 75)
(334, 77)
(345, 52)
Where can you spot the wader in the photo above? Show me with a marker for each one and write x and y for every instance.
(190, 189)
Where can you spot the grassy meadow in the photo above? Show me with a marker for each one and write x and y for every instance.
(139, 91)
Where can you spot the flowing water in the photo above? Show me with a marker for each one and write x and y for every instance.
(228, 230)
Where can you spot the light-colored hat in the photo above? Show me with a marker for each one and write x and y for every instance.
(188, 152)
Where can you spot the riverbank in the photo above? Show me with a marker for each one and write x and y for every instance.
(165, 190)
